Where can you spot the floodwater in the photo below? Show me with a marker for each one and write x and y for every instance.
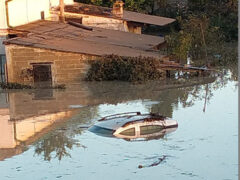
(44, 134)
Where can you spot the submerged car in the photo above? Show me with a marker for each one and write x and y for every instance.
(134, 125)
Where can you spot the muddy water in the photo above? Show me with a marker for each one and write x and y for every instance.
(44, 134)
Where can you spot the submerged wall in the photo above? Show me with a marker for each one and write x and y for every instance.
(65, 67)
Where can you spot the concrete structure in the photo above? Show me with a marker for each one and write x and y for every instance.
(18, 12)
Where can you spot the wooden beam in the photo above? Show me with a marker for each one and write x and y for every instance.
(61, 16)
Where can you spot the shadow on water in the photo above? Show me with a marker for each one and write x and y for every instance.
(50, 119)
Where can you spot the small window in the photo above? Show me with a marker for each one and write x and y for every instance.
(144, 130)
(128, 132)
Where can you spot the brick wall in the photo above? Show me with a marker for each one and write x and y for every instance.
(65, 67)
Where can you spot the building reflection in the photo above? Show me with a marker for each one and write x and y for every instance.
(16, 135)
(23, 123)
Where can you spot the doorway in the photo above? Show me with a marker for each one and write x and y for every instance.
(2, 68)
(42, 74)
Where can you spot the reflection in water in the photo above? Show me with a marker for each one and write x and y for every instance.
(16, 135)
(58, 142)
(27, 116)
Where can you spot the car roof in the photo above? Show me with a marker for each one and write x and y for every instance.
(118, 122)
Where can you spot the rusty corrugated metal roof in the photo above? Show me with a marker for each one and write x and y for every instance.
(64, 37)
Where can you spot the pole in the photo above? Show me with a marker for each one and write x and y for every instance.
(61, 6)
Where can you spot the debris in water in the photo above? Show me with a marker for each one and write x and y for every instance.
(156, 163)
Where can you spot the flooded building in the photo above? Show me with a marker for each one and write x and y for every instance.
(19, 12)
(61, 53)
(39, 48)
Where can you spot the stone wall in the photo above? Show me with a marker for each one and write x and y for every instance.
(65, 67)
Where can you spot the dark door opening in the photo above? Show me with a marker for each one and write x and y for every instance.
(2, 68)
(42, 74)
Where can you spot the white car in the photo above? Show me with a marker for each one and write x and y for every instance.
(134, 125)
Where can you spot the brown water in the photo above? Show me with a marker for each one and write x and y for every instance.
(44, 134)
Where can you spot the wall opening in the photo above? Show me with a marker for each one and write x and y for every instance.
(2, 68)
(42, 15)
(42, 74)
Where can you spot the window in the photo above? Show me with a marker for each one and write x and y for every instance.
(128, 132)
(150, 129)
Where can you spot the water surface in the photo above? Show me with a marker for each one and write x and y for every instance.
(44, 134)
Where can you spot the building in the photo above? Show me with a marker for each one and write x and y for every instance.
(111, 18)
(61, 53)
(10, 16)
(40, 48)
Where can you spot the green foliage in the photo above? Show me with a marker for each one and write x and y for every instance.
(114, 67)
(201, 40)
(221, 13)
(179, 44)
(144, 6)
(107, 3)
(14, 86)
(22, 86)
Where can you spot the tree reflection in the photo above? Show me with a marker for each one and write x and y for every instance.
(60, 142)
(189, 95)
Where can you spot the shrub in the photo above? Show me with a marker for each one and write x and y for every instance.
(14, 86)
(22, 86)
(112, 67)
